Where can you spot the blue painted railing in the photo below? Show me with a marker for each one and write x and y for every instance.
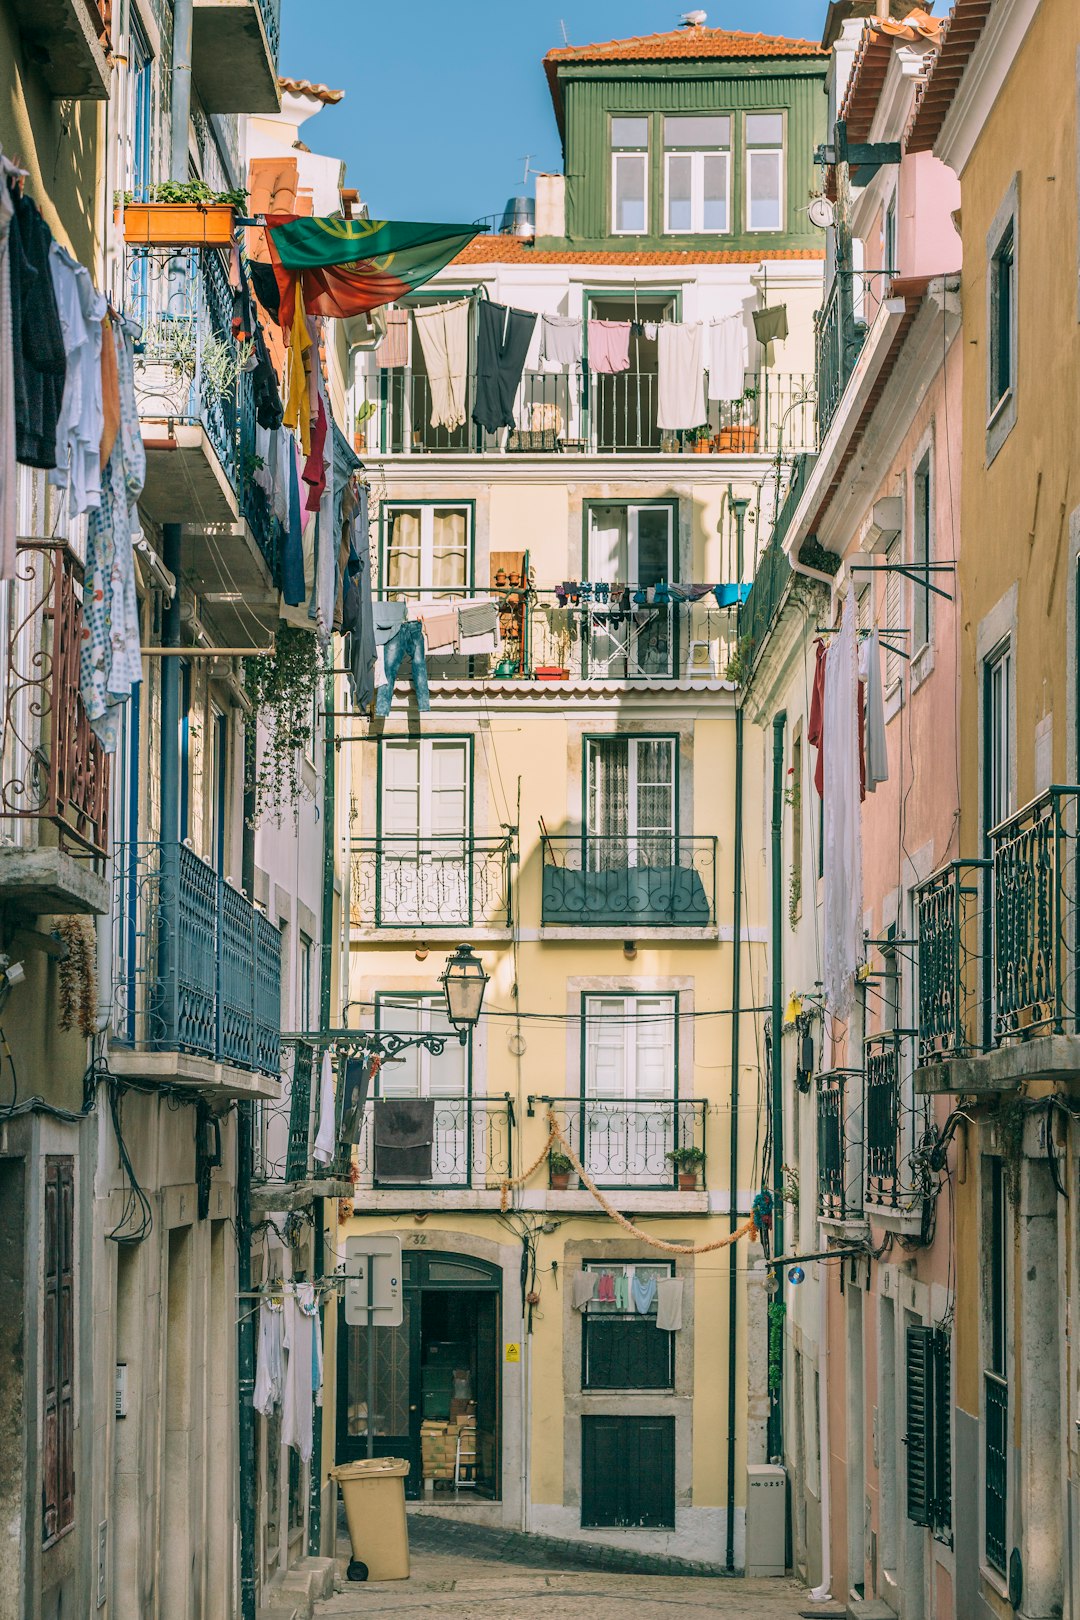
(270, 11)
(198, 969)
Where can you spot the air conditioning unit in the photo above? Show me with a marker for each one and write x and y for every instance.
(766, 1519)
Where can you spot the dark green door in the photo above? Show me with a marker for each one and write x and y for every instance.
(628, 1472)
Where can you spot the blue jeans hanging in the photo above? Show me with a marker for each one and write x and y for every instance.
(409, 639)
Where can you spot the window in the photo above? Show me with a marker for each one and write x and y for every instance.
(632, 546)
(796, 793)
(419, 1073)
(622, 1347)
(428, 550)
(423, 865)
(307, 982)
(697, 157)
(630, 1114)
(764, 133)
(629, 176)
(1003, 318)
(997, 762)
(922, 550)
(58, 1350)
(219, 806)
(995, 1380)
(142, 77)
(628, 1472)
(630, 802)
(928, 1439)
(889, 236)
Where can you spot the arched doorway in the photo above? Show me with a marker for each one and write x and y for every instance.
(441, 1365)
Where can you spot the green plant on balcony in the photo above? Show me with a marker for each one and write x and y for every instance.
(794, 897)
(738, 665)
(812, 554)
(186, 191)
(283, 689)
(559, 1167)
(687, 1161)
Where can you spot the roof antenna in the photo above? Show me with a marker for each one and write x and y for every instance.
(565, 35)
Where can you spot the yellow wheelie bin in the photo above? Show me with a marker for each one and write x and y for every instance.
(374, 1492)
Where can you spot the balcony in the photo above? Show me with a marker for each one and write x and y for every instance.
(68, 42)
(472, 1150)
(1035, 943)
(285, 1175)
(840, 1146)
(428, 883)
(895, 1125)
(625, 884)
(623, 1143)
(197, 984)
(591, 414)
(197, 413)
(234, 53)
(839, 339)
(949, 920)
(54, 774)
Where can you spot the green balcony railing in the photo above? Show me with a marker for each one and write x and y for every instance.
(839, 1111)
(648, 880)
(197, 968)
(996, 1471)
(884, 1151)
(1035, 918)
(454, 881)
(950, 908)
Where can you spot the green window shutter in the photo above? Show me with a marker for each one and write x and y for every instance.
(942, 1503)
(919, 1437)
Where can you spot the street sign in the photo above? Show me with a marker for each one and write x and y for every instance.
(373, 1281)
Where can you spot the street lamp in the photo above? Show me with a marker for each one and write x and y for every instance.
(464, 982)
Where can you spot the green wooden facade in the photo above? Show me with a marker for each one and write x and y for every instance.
(589, 94)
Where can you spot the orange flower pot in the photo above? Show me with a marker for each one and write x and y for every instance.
(157, 224)
(741, 440)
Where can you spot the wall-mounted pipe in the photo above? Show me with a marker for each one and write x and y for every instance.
(733, 1163)
(183, 11)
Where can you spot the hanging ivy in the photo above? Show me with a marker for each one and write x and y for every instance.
(283, 690)
(777, 1312)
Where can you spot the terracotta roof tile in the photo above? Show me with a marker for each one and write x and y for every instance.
(685, 44)
(512, 250)
(872, 64)
(960, 33)
(305, 87)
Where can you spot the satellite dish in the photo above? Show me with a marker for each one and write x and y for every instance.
(821, 212)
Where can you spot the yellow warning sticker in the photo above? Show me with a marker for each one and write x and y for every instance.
(513, 1352)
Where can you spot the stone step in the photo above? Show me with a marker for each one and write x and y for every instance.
(869, 1609)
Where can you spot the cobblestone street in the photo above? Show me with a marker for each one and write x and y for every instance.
(472, 1580)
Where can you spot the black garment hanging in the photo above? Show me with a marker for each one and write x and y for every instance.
(265, 285)
(503, 336)
(39, 361)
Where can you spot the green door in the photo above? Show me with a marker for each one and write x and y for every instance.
(628, 1473)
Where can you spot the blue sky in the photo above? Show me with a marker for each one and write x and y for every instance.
(443, 99)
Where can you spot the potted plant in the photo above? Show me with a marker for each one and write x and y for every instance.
(559, 1167)
(702, 441)
(741, 436)
(687, 1161)
(182, 214)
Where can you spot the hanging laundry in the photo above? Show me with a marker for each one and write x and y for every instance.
(269, 1364)
(269, 411)
(298, 392)
(560, 342)
(669, 1297)
(315, 465)
(443, 330)
(503, 336)
(393, 349)
(609, 346)
(622, 1292)
(111, 662)
(876, 751)
(815, 726)
(680, 385)
(296, 1406)
(110, 401)
(8, 504)
(842, 839)
(78, 433)
(265, 287)
(605, 1292)
(406, 642)
(293, 586)
(38, 359)
(771, 325)
(643, 1293)
(387, 619)
(728, 358)
(363, 648)
(404, 1138)
(478, 619)
(326, 1136)
(582, 1289)
(440, 622)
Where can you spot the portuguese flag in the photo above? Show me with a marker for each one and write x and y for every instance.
(348, 266)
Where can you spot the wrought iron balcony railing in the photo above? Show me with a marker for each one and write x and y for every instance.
(1035, 918)
(197, 967)
(647, 880)
(594, 414)
(449, 882)
(840, 1143)
(53, 767)
(472, 1146)
(950, 911)
(998, 1444)
(624, 1143)
(270, 11)
(851, 306)
(189, 369)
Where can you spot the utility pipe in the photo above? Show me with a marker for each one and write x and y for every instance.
(776, 1021)
(733, 1165)
(822, 1593)
(245, 1154)
(183, 11)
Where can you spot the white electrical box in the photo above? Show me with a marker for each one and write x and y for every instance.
(766, 1519)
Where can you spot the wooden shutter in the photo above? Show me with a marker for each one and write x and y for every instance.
(919, 1439)
(58, 1349)
(628, 1472)
(942, 1501)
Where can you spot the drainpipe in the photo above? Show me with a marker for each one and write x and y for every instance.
(326, 985)
(822, 1593)
(733, 1167)
(776, 1020)
(181, 89)
(246, 1317)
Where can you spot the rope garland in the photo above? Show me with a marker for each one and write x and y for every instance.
(747, 1229)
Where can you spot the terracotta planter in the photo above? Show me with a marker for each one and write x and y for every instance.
(702, 447)
(560, 1180)
(688, 1181)
(742, 440)
(179, 224)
